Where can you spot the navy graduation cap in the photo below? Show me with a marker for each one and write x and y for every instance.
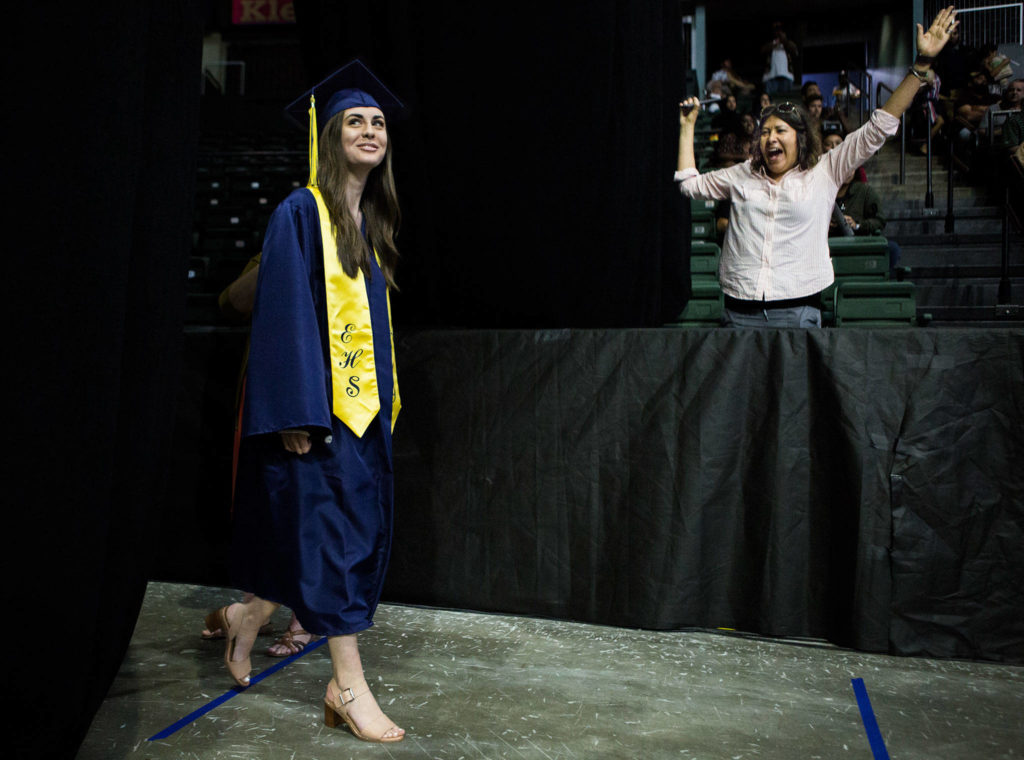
(350, 86)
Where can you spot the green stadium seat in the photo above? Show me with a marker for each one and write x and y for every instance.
(875, 304)
(861, 257)
(705, 305)
(702, 219)
(701, 208)
(854, 259)
(702, 229)
(704, 258)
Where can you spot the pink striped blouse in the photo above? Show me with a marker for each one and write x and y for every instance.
(776, 244)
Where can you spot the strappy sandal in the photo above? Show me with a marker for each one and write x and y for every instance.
(287, 639)
(336, 713)
(239, 670)
(214, 632)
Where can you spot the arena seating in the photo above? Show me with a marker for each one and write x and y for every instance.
(861, 296)
(240, 181)
(702, 220)
(875, 304)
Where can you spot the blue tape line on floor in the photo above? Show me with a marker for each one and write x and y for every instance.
(234, 691)
(867, 716)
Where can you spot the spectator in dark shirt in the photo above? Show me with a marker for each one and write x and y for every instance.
(972, 102)
(1013, 131)
(1013, 97)
(815, 105)
(861, 207)
(809, 88)
(728, 118)
(953, 65)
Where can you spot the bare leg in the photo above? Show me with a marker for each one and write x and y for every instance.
(243, 621)
(217, 633)
(349, 682)
(254, 614)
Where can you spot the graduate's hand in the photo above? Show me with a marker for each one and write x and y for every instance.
(296, 441)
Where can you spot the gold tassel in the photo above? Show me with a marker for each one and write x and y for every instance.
(312, 142)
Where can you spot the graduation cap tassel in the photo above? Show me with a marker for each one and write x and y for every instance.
(312, 142)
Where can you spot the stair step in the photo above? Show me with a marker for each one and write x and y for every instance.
(947, 240)
(975, 316)
(907, 210)
(975, 273)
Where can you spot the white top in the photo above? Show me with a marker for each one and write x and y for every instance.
(779, 64)
(776, 244)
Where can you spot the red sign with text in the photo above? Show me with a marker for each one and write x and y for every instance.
(262, 12)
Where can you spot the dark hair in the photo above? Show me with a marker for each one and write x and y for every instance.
(806, 86)
(832, 128)
(808, 137)
(379, 204)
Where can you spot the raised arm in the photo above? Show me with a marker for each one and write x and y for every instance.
(688, 111)
(929, 43)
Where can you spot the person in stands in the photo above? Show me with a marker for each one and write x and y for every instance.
(775, 256)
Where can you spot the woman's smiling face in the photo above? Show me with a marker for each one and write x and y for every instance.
(778, 146)
(364, 136)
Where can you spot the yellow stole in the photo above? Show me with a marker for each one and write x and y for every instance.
(353, 370)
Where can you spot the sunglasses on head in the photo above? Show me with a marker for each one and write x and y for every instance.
(785, 109)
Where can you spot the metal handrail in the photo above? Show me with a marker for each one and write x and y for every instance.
(990, 116)
(1010, 169)
(950, 214)
(867, 91)
(865, 88)
(903, 139)
(950, 218)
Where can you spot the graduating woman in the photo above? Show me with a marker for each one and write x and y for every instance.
(775, 259)
(315, 486)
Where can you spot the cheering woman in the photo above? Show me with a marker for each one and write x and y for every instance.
(775, 259)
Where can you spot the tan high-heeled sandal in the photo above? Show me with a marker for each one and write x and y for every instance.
(214, 631)
(336, 713)
(239, 670)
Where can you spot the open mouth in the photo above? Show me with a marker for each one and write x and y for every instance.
(773, 153)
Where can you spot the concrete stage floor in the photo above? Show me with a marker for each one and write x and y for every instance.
(468, 685)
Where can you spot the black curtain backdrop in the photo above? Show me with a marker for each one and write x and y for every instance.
(535, 168)
(103, 99)
(858, 485)
(535, 173)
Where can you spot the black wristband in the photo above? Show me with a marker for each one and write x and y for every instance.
(924, 60)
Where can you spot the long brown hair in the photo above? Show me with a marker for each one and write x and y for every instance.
(808, 137)
(379, 204)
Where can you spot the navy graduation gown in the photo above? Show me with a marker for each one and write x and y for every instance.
(312, 532)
